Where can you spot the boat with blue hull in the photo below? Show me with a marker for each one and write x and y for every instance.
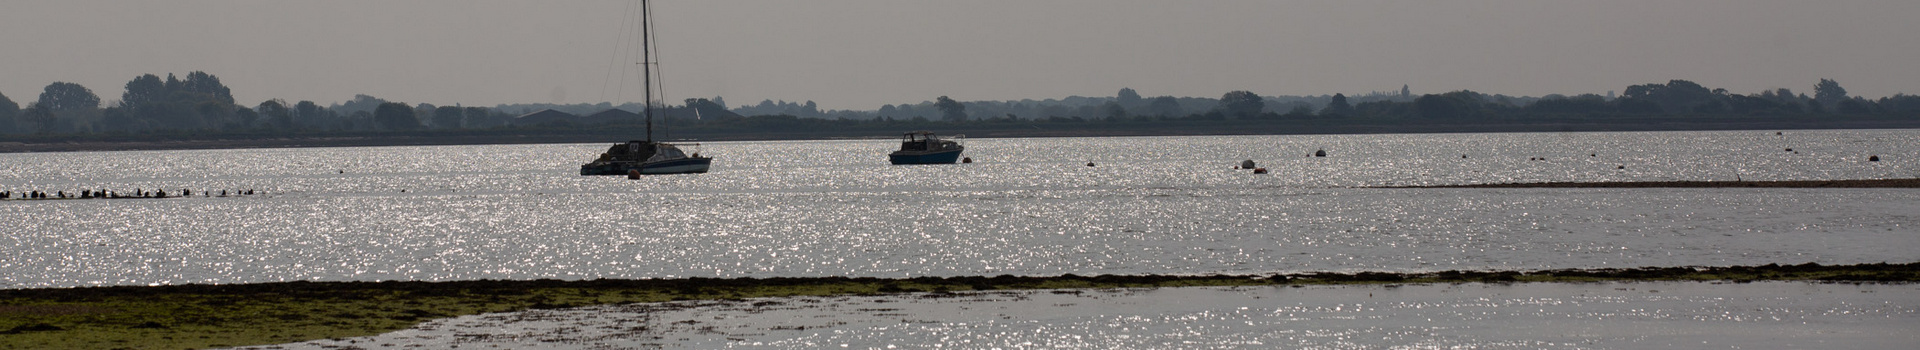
(923, 147)
(646, 157)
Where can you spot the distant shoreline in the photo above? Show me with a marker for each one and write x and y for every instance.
(1875, 183)
(980, 130)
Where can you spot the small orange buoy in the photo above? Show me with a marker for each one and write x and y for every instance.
(633, 174)
(1259, 170)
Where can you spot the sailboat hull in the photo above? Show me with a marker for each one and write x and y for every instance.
(677, 166)
(672, 166)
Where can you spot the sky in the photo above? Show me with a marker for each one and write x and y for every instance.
(861, 54)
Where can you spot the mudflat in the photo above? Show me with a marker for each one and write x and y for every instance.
(1872, 183)
(201, 316)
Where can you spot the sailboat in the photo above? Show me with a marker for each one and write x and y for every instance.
(646, 157)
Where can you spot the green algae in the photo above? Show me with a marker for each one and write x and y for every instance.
(203, 316)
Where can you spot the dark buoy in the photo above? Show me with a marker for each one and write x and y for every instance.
(1620, 167)
(966, 160)
(633, 174)
(1246, 164)
(1320, 153)
(1789, 150)
(1259, 170)
(1874, 158)
(1089, 163)
(1463, 156)
(1777, 133)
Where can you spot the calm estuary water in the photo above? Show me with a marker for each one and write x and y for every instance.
(1161, 205)
(1148, 205)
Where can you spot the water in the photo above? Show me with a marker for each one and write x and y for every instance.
(1159, 205)
(1149, 205)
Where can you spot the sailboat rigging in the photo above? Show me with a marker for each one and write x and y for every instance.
(646, 157)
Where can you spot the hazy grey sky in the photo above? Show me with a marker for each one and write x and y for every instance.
(860, 54)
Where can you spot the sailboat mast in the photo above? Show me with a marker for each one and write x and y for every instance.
(646, 63)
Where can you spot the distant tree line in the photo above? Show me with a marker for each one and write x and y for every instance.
(200, 104)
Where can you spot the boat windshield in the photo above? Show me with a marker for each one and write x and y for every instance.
(666, 152)
(919, 136)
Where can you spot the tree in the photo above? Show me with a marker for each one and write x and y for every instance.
(245, 117)
(220, 115)
(118, 119)
(1829, 93)
(1164, 106)
(275, 114)
(1242, 104)
(1898, 103)
(359, 103)
(449, 117)
(200, 101)
(308, 113)
(199, 82)
(1677, 96)
(951, 110)
(1853, 106)
(1337, 107)
(1127, 97)
(143, 90)
(481, 117)
(40, 118)
(1438, 107)
(424, 113)
(64, 96)
(1299, 111)
(395, 116)
(9, 113)
(1112, 111)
